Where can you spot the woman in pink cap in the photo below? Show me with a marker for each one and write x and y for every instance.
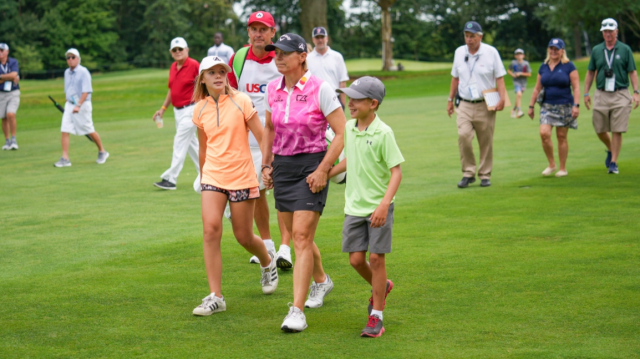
(298, 108)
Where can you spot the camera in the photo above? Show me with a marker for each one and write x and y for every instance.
(608, 73)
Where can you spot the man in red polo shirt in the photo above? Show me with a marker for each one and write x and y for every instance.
(252, 69)
(182, 75)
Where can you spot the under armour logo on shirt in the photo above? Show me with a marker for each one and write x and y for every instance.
(369, 143)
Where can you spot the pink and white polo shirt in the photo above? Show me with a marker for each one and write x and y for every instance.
(299, 114)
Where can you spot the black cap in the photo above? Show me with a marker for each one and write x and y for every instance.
(319, 31)
(472, 27)
(289, 42)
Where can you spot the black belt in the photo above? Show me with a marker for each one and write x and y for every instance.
(474, 101)
(180, 108)
(618, 89)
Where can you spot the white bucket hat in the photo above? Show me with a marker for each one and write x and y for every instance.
(609, 24)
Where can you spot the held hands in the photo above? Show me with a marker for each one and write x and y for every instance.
(450, 108)
(267, 179)
(379, 216)
(587, 101)
(317, 180)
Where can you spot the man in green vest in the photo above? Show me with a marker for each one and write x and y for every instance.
(612, 65)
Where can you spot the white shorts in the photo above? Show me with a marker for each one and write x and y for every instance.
(256, 154)
(80, 123)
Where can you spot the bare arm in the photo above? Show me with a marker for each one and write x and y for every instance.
(502, 90)
(587, 86)
(511, 73)
(318, 179)
(633, 75)
(266, 146)
(453, 90)
(202, 153)
(9, 77)
(255, 126)
(343, 97)
(379, 216)
(536, 91)
(337, 169)
(575, 85)
(165, 105)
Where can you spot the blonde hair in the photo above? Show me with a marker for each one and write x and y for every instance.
(564, 59)
(200, 90)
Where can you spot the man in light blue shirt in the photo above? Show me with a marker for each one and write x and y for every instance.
(77, 118)
(220, 49)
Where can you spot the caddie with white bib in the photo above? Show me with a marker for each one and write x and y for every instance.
(612, 65)
(476, 67)
(253, 68)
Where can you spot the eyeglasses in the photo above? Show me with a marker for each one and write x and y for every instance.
(177, 49)
(71, 57)
(609, 24)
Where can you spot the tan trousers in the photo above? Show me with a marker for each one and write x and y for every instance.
(475, 117)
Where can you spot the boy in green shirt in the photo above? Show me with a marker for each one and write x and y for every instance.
(373, 164)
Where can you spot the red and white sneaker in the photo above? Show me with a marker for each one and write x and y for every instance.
(389, 287)
(374, 327)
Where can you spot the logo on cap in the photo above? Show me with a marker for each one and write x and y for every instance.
(259, 15)
(555, 41)
(176, 41)
(356, 82)
(301, 46)
(216, 58)
(469, 26)
(283, 37)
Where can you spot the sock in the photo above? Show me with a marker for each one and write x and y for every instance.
(269, 244)
(377, 312)
(13, 137)
(325, 281)
(214, 294)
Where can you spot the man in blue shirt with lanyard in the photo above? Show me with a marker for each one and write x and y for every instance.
(9, 97)
(612, 65)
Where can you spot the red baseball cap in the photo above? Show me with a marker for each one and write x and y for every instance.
(262, 17)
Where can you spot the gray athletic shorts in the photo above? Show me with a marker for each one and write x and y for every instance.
(9, 102)
(358, 236)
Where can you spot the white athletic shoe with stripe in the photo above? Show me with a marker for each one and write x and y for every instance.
(210, 304)
(269, 279)
(295, 321)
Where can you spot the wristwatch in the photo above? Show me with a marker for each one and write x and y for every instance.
(636, 91)
(450, 99)
(531, 107)
(576, 105)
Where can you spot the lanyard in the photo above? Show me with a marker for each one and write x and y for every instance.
(5, 68)
(609, 60)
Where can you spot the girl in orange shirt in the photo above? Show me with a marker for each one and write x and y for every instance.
(223, 117)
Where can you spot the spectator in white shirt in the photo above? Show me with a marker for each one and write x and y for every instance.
(219, 49)
(327, 64)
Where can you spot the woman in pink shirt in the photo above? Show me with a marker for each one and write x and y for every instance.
(298, 108)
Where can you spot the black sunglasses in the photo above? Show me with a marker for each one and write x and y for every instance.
(177, 49)
(71, 57)
(608, 24)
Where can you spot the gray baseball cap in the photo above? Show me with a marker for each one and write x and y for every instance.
(365, 87)
(4, 46)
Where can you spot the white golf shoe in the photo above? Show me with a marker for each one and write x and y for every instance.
(210, 304)
(295, 321)
(269, 279)
(317, 292)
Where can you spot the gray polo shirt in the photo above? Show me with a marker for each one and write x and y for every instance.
(77, 82)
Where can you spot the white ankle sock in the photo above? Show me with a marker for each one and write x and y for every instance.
(377, 312)
(325, 281)
(269, 244)
(284, 247)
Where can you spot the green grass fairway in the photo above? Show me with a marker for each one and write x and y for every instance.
(357, 65)
(95, 262)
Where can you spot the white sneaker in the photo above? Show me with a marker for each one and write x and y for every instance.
(520, 113)
(14, 144)
(295, 321)
(317, 292)
(561, 173)
(548, 171)
(210, 304)
(7, 144)
(284, 259)
(269, 279)
(513, 113)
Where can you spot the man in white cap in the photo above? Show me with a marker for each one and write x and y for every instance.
(182, 75)
(220, 49)
(326, 63)
(77, 118)
(252, 68)
(612, 65)
(9, 97)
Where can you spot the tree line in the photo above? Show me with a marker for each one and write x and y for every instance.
(122, 34)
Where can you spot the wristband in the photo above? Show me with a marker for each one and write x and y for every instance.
(164, 108)
(586, 94)
(531, 107)
(450, 99)
(636, 91)
(265, 166)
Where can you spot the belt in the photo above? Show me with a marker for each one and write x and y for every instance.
(180, 108)
(472, 101)
(618, 89)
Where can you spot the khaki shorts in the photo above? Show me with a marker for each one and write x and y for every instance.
(9, 102)
(611, 111)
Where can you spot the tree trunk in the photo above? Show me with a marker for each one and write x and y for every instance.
(313, 13)
(577, 41)
(387, 45)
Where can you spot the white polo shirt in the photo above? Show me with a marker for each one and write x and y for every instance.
(481, 69)
(329, 67)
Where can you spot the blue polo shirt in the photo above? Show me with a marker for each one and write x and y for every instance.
(76, 82)
(10, 66)
(556, 83)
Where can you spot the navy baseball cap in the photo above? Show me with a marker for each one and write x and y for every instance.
(472, 27)
(365, 87)
(319, 31)
(289, 42)
(557, 43)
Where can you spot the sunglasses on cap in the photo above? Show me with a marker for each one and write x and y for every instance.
(71, 57)
(177, 49)
(608, 24)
